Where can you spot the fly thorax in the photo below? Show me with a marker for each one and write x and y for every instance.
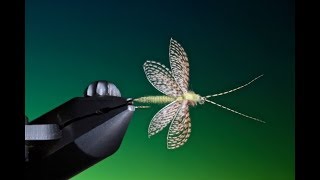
(191, 97)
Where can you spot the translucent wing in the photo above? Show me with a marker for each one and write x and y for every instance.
(179, 65)
(180, 128)
(160, 77)
(163, 117)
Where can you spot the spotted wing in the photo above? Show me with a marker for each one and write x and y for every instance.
(160, 77)
(163, 117)
(180, 128)
(179, 64)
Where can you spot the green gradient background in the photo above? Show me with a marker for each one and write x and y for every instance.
(71, 43)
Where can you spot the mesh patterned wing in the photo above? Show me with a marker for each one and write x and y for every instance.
(179, 65)
(163, 117)
(180, 128)
(160, 77)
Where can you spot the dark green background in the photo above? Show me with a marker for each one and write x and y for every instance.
(71, 43)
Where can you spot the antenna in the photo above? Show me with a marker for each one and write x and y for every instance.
(223, 93)
(235, 111)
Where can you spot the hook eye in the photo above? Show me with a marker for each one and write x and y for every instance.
(202, 100)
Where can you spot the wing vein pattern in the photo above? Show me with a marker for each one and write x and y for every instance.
(180, 128)
(160, 77)
(163, 117)
(179, 65)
